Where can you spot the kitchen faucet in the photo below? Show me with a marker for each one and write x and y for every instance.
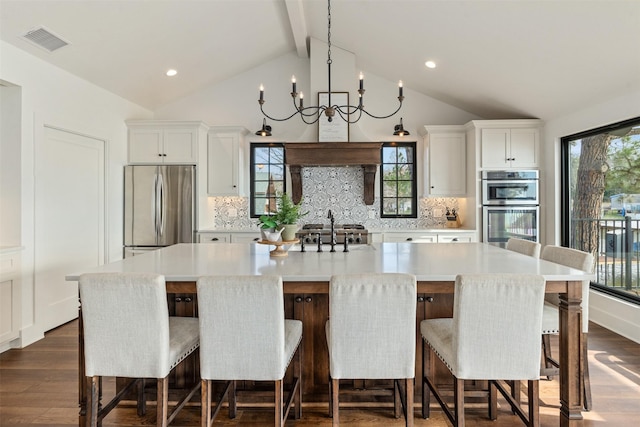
(333, 232)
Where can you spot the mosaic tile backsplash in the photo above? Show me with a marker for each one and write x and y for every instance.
(341, 190)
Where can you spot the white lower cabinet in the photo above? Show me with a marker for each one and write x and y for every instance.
(211, 237)
(430, 237)
(411, 237)
(457, 237)
(222, 237)
(245, 237)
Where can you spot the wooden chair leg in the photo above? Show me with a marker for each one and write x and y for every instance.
(458, 396)
(205, 403)
(516, 391)
(297, 373)
(493, 400)
(142, 402)
(397, 402)
(586, 381)
(546, 350)
(233, 402)
(92, 406)
(330, 397)
(425, 390)
(534, 403)
(278, 403)
(162, 402)
(335, 402)
(409, 386)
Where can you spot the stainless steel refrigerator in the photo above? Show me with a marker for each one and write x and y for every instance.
(158, 207)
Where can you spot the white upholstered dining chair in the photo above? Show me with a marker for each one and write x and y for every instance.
(579, 260)
(494, 335)
(371, 334)
(128, 333)
(244, 336)
(525, 247)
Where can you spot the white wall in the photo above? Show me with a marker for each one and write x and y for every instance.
(235, 101)
(54, 97)
(626, 320)
(10, 187)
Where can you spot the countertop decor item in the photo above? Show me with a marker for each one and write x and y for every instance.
(311, 114)
(287, 215)
(280, 245)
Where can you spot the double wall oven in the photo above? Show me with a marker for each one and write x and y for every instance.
(510, 206)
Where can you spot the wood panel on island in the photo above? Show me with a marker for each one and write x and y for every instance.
(365, 154)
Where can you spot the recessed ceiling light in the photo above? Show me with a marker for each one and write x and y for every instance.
(171, 73)
(430, 64)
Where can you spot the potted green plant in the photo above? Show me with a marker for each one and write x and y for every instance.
(268, 225)
(287, 215)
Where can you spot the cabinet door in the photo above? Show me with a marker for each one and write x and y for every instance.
(245, 237)
(180, 146)
(145, 146)
(223, 164)
(410, 237)
(454, 238)
(495, 148)
(524, 147)
(214, 237)
(447, 164)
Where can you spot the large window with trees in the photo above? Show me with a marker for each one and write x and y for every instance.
(601, 203)
(398, 180)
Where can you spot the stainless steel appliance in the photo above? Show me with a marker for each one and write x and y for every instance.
(510, 187)
(354, 233)
(510, 206)
(158, 207)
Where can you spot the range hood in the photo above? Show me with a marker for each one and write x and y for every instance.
(364, 154)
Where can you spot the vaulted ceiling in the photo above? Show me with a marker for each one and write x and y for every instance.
(495, 59)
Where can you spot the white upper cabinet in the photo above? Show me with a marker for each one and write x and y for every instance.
(169, 142)
(226, 167)
(445, 151)
(510, 147)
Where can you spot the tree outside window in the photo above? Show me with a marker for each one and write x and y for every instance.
(398, 180)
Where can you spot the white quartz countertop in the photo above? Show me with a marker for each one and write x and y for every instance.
(429, 262)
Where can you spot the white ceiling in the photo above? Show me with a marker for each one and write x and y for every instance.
(496, 59)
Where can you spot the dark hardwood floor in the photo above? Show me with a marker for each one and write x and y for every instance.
(38, 386)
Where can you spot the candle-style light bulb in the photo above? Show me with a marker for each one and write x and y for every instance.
(261, 92)
(301, 96)
(400, 88)
(293, 84)
(361, 80)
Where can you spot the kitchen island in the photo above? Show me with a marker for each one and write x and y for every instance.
(306, 276)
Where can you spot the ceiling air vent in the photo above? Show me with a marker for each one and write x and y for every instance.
(45, 39)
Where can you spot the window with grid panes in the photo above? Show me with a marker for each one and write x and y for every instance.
(398, 180)
(267, 177)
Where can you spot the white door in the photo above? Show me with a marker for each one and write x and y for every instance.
(69, 220)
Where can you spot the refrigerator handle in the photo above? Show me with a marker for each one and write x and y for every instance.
(161, 206)
(156, 204)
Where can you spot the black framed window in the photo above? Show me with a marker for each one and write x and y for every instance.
(398, 180)
(600, 196)
(267, 177)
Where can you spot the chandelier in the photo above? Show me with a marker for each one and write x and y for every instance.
(311, 114)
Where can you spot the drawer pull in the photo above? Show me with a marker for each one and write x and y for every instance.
(308, 299)
(298, 299)
(215, 239)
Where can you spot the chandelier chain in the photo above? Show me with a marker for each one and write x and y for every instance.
(311, 114)
(329, 60)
